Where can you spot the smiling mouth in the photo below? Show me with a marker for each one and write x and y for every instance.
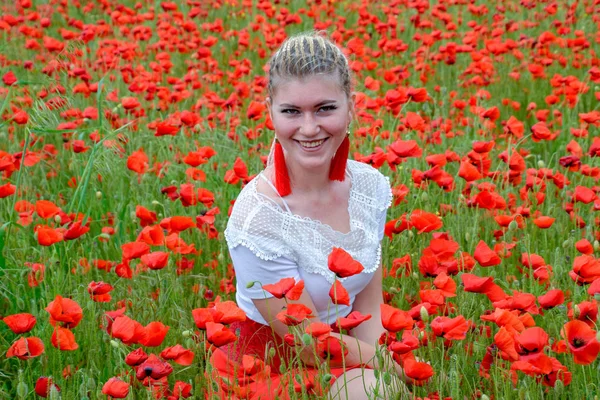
(311, 144)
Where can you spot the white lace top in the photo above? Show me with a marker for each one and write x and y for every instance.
(276, 244)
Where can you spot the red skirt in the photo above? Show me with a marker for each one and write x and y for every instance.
(266, 374)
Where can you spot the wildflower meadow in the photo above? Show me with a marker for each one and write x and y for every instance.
(128, 128)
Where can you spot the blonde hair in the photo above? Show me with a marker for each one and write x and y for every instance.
(309, 54)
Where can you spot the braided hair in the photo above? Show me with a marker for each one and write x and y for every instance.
(308, 54)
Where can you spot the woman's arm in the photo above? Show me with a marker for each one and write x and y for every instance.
(368, 302)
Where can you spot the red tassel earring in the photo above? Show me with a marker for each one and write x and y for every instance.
(337, 170)
(282, 178)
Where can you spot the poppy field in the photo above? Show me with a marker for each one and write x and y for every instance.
(128, 128)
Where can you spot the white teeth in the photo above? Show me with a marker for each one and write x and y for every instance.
(312, 144)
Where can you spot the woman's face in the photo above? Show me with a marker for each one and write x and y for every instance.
(311, 117)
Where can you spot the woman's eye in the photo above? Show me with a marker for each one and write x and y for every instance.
(328, 108)
(289, 111)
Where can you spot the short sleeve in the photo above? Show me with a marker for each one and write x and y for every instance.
(251, 268)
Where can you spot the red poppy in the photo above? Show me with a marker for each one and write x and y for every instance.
(586, 269)
(218, 335)
(338, 294)
(352, 320)
(100, 291)
(47, 236)
(342, 264)
(286, 287)
(134, 250)
(145, 216)
(543, 222)
(584, 195)
(138, 162)
(445, 284)
(393, 319)
(532, 341)
(227, 312)
(582, 341)
(505, 340)
(155, 334)
(318, 329)
(65, 312)
(127, 330)
(425, 221)
(20, 323)
(7, 189)
(485, 256)
(182, 389)
(332, 349)
(26, 348)
(405, 149)
(63, 339)
(450, 328)
(116, 388)
(418, 372)
(408, 343)
(178, 354)
(155, 260)
(43, 386)
(551, 299)
(136, 357)
(294, 314)
(46, 209)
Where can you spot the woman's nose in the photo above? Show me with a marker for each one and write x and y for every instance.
(310, 125)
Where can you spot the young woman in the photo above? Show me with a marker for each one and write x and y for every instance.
(285, 223)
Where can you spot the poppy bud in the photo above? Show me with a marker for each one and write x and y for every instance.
(220, 257)
(512, 226)
(57, 219)
(307, 339)
(558, 386)
(410, 234)
(424, 196)
(484, 397)
(467, 237)
(133, 216)
(272, 352)
(541, 164)
(596, 245)
(566, 244)
(102, 235)
(327, 378)
(387, 378)
(22, 390)
(98, 195)
(250, 284)
(187, 333)
(155, 203)
(114, 344)
(598, 336)
(424, 314)
(576, 311)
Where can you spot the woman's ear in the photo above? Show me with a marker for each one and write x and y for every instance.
(351, 109)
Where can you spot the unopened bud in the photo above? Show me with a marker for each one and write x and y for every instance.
(115, 344)
(598, 336)
(467, 237)
(576, 311)
(512, 226)
(132, 215)
(485, 397)
(424, 196)
(387, 378)
(22, 390)
(220, 257)
(307, 339)
(187, 333)
(250, 284)
(98, 195)
(559, 386)
(424, 314)
(541, 164)
(155, 202)
(596, 245)
(104, 236)
(326, 378)
(411, 234)
(53, 393)
(57, 219)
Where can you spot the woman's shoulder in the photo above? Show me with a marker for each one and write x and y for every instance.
(371, 182)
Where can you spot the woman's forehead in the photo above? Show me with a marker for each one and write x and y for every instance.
(309, 89)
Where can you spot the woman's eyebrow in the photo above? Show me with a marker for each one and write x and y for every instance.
(285, 105)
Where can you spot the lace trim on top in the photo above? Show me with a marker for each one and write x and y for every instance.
(270, 231)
